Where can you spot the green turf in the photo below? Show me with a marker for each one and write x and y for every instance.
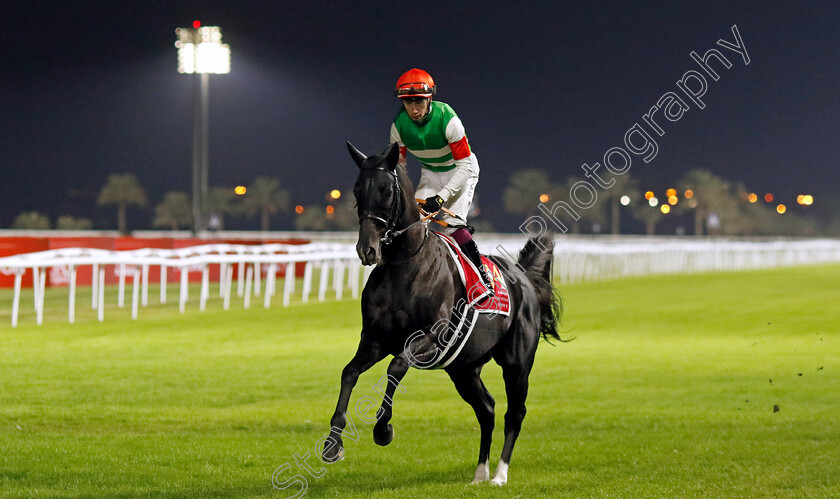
(668, 391)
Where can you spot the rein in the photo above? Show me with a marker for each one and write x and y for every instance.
(417, 252)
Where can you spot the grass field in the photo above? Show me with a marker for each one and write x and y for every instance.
(668, 391)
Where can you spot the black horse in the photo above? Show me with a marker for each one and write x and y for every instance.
(415, 288)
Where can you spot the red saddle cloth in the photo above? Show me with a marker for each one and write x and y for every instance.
(477, 294)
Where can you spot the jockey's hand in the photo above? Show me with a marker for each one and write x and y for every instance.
(433, 204)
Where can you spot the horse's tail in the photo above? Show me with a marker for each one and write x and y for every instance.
(535, 259)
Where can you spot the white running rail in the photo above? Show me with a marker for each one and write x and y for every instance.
(575, 260)
(135, 265)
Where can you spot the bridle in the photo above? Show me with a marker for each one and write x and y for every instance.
(393, 214)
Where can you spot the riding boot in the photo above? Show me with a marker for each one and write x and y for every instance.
(470, 249)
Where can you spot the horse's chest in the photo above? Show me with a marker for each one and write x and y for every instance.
(406, 303)
(399, 316)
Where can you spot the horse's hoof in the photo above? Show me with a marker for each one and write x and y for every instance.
(498, 481)
(482, 474)
(383, 438)
(337, 456)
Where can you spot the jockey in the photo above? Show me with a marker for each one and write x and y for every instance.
(433, 133)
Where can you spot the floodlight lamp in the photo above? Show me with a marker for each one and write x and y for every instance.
(200, 50)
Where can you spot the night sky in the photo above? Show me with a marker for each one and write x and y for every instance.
(89, 89)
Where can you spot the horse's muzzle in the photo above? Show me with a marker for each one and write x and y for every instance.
(369, 247)
(369, 255)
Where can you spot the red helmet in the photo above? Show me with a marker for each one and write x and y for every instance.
(415, 83)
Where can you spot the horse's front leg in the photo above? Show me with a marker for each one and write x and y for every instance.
(420, 351)
(369, 353)
(383, 432)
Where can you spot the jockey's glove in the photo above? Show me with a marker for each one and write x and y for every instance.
(433, 204)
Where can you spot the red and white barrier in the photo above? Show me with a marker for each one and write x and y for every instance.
(245, 262)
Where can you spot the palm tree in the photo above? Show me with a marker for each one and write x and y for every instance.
(710, 194)
(266, 197)
(345, 216)
(624, 185)
(647, 214)
(594, 214)
(312, 218)
(31, 220)
(67, 222)
(220, 203)
(522, 195)
(174, 211)
(122, 189)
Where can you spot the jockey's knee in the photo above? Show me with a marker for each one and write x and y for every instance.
(462, 236)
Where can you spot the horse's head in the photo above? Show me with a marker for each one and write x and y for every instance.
(381, 199)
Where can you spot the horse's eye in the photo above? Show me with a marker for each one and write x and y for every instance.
(385, 189)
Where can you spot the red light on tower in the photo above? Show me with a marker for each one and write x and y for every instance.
(196, 24)
(768, 197)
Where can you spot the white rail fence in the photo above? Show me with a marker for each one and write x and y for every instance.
(575, 260)
(329, 258)
(594, 260)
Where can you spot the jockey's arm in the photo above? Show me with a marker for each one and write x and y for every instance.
(395, 137)
(466, 166)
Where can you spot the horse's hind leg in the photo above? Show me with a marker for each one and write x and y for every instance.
(516, 356)
(383, 432)
(368, 354)
(472, 390)
(516, 388)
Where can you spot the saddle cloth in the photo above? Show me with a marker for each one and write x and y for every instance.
(476, 290)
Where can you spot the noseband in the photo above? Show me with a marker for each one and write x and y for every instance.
(393, 213)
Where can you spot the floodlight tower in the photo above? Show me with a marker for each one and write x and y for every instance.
(201, 52)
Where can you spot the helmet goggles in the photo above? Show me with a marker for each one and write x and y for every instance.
(414, 89)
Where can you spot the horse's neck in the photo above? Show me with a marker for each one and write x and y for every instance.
(408, 245)
(410, 212)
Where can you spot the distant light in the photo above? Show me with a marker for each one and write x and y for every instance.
(692, 203)
(665, 209)
(543, 198)
(689, 194)
(807, 200)
(648, 195)
(768, 197)
(298, 209)
(625, 200)
(745, 196)
(200, 50)
(239, 190)
(781, 208)
(672, 200)
(335, 194)
(752, 198)
(671, 192)
(330, 209)
(196, 24)
(799, 199)
(653, 201)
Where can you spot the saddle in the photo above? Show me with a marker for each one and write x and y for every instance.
(477, 293)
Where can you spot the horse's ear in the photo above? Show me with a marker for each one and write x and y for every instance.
(392, 155)
(356, 154)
